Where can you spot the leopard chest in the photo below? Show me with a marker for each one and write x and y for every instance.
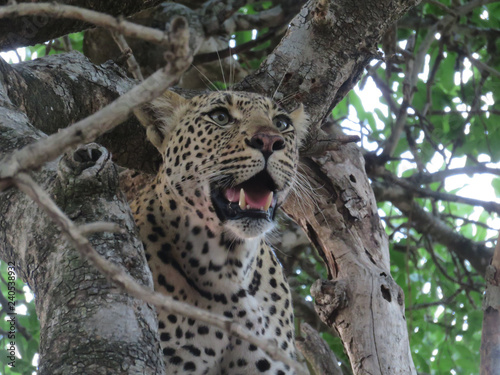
(241, 280)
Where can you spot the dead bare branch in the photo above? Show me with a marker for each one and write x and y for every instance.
(116, 274)
(56, 10)
(133, 66)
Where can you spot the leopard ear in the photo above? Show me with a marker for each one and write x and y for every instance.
(159, 116)
(300, 123)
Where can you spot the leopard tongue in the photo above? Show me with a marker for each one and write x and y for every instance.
(257, 200)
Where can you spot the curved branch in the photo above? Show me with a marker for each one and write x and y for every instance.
(424, 192)
(68, 12)
(428, 178)
(478, 255)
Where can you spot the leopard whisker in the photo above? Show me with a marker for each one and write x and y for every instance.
(211, 84)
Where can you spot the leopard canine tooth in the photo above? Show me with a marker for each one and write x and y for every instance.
(269, 201)
(243, 203)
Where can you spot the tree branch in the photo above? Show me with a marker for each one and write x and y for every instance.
(59, 11)
(424, 192)
(133, 66)
(429, 178)
(478, 255)
(107, 118)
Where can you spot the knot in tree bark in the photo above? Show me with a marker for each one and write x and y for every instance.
(330, 297)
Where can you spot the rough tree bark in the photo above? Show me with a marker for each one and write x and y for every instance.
(317, 63)
(87, 325)
(490, 338)
(59, 90)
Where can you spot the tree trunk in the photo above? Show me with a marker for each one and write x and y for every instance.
(343, 222)
(87, 325)
(490, 337)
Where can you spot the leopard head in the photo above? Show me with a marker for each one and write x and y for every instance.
(229, 156)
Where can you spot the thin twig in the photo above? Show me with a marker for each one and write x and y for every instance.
(444, 302)
(116, 274)
(442, 7)
(482, 66)
(133, 66)
(99, 227)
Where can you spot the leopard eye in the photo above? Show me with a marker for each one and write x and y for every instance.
(221, 116)
(283, 123)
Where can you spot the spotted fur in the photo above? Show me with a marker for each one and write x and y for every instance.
(197, 256)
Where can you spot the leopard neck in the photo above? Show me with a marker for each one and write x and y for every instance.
(198, 248)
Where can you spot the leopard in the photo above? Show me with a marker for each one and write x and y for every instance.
(229, 160)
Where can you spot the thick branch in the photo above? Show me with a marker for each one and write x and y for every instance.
(307, 67)
(86, 324)
(59, 90)
(478, 255)
(39, 27)
(107, 118)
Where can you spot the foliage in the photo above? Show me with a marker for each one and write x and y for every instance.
(64, 44)
(451, 123)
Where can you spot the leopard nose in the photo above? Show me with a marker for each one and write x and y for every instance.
(266, 143)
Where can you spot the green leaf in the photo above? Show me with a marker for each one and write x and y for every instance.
(446, 73)
(496, 185)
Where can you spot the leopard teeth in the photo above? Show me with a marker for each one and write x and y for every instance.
(243, 203)
(244, 206)
(269, 201)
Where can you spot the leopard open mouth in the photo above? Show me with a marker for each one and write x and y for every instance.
(254, 198)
